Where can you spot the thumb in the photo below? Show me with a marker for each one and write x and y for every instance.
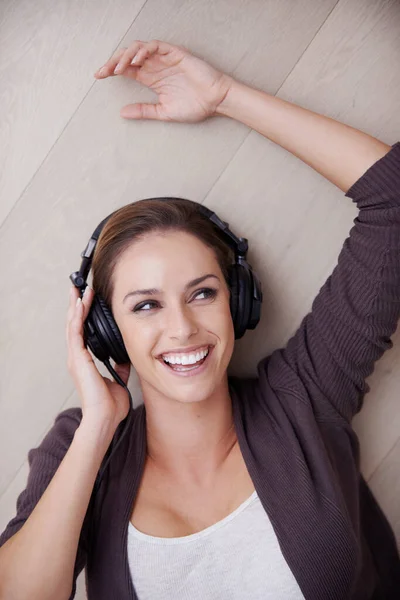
(142, 111)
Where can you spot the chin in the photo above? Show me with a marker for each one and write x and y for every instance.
(187, 389)
(190, 391)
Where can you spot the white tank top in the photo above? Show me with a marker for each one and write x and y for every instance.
(237, 558)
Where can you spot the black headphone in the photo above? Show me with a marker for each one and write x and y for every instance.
(101, 332)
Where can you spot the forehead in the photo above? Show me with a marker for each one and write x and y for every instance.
(161, 257)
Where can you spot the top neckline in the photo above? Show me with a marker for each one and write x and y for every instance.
(144, 537)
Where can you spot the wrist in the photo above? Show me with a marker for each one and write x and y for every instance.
(100, 433)
(227, 105)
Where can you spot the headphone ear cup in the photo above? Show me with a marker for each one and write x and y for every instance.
(102, 335)
(118, 353)
(241, 302)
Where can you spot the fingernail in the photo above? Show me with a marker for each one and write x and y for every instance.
(78, 301)
(86, 292)
(102, 71)
(117, 68)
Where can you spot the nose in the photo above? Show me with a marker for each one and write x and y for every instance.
(181, 323)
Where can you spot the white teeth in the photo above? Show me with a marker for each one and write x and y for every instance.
(186, 359)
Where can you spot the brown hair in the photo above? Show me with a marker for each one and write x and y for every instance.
(133, 221)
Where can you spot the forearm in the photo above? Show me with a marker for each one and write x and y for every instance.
(38, 561)
(339, 152)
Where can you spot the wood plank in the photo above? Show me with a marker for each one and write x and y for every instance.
(48, 56)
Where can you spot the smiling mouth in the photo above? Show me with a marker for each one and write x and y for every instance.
(178, 368)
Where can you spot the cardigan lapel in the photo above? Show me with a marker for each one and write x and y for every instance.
(108, 567)
(314, 534)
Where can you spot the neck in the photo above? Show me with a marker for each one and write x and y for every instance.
(190, 441)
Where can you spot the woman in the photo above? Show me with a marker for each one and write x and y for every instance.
(223, 487)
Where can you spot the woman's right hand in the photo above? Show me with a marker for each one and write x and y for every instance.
(104, 402)
(189, 89)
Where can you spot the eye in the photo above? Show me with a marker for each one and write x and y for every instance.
(140, 307)
(207, 292)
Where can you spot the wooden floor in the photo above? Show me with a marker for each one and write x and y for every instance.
(68, 160)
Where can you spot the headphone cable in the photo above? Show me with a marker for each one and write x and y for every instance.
(113, 448)
(127, 422)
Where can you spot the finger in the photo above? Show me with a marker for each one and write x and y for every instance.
(77, 313)
(166, 48)
(143, 111)
(75, 327)
(108, 68)
(87, 300)
(129, 55)
(136, 54)
(73, 295)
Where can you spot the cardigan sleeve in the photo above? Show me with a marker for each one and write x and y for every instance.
(356, 311)
(43, 464)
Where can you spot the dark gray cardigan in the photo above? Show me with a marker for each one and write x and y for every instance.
(293, 424)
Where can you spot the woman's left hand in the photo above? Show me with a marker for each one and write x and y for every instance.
(189, 89)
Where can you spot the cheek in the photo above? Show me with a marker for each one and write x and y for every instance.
(138, 339)
(225, 315)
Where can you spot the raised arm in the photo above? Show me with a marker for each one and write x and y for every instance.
(339, 152)
(357, 310)
(191, 90)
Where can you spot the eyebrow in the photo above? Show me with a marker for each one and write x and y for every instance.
(153, 291)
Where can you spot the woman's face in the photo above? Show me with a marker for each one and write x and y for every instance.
(174, 314)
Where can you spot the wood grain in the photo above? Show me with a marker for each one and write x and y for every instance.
(68, 160)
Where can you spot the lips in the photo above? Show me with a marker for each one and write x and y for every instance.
(192, 350)
(190, 372)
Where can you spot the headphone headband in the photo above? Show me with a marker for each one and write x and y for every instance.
(238, 245)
